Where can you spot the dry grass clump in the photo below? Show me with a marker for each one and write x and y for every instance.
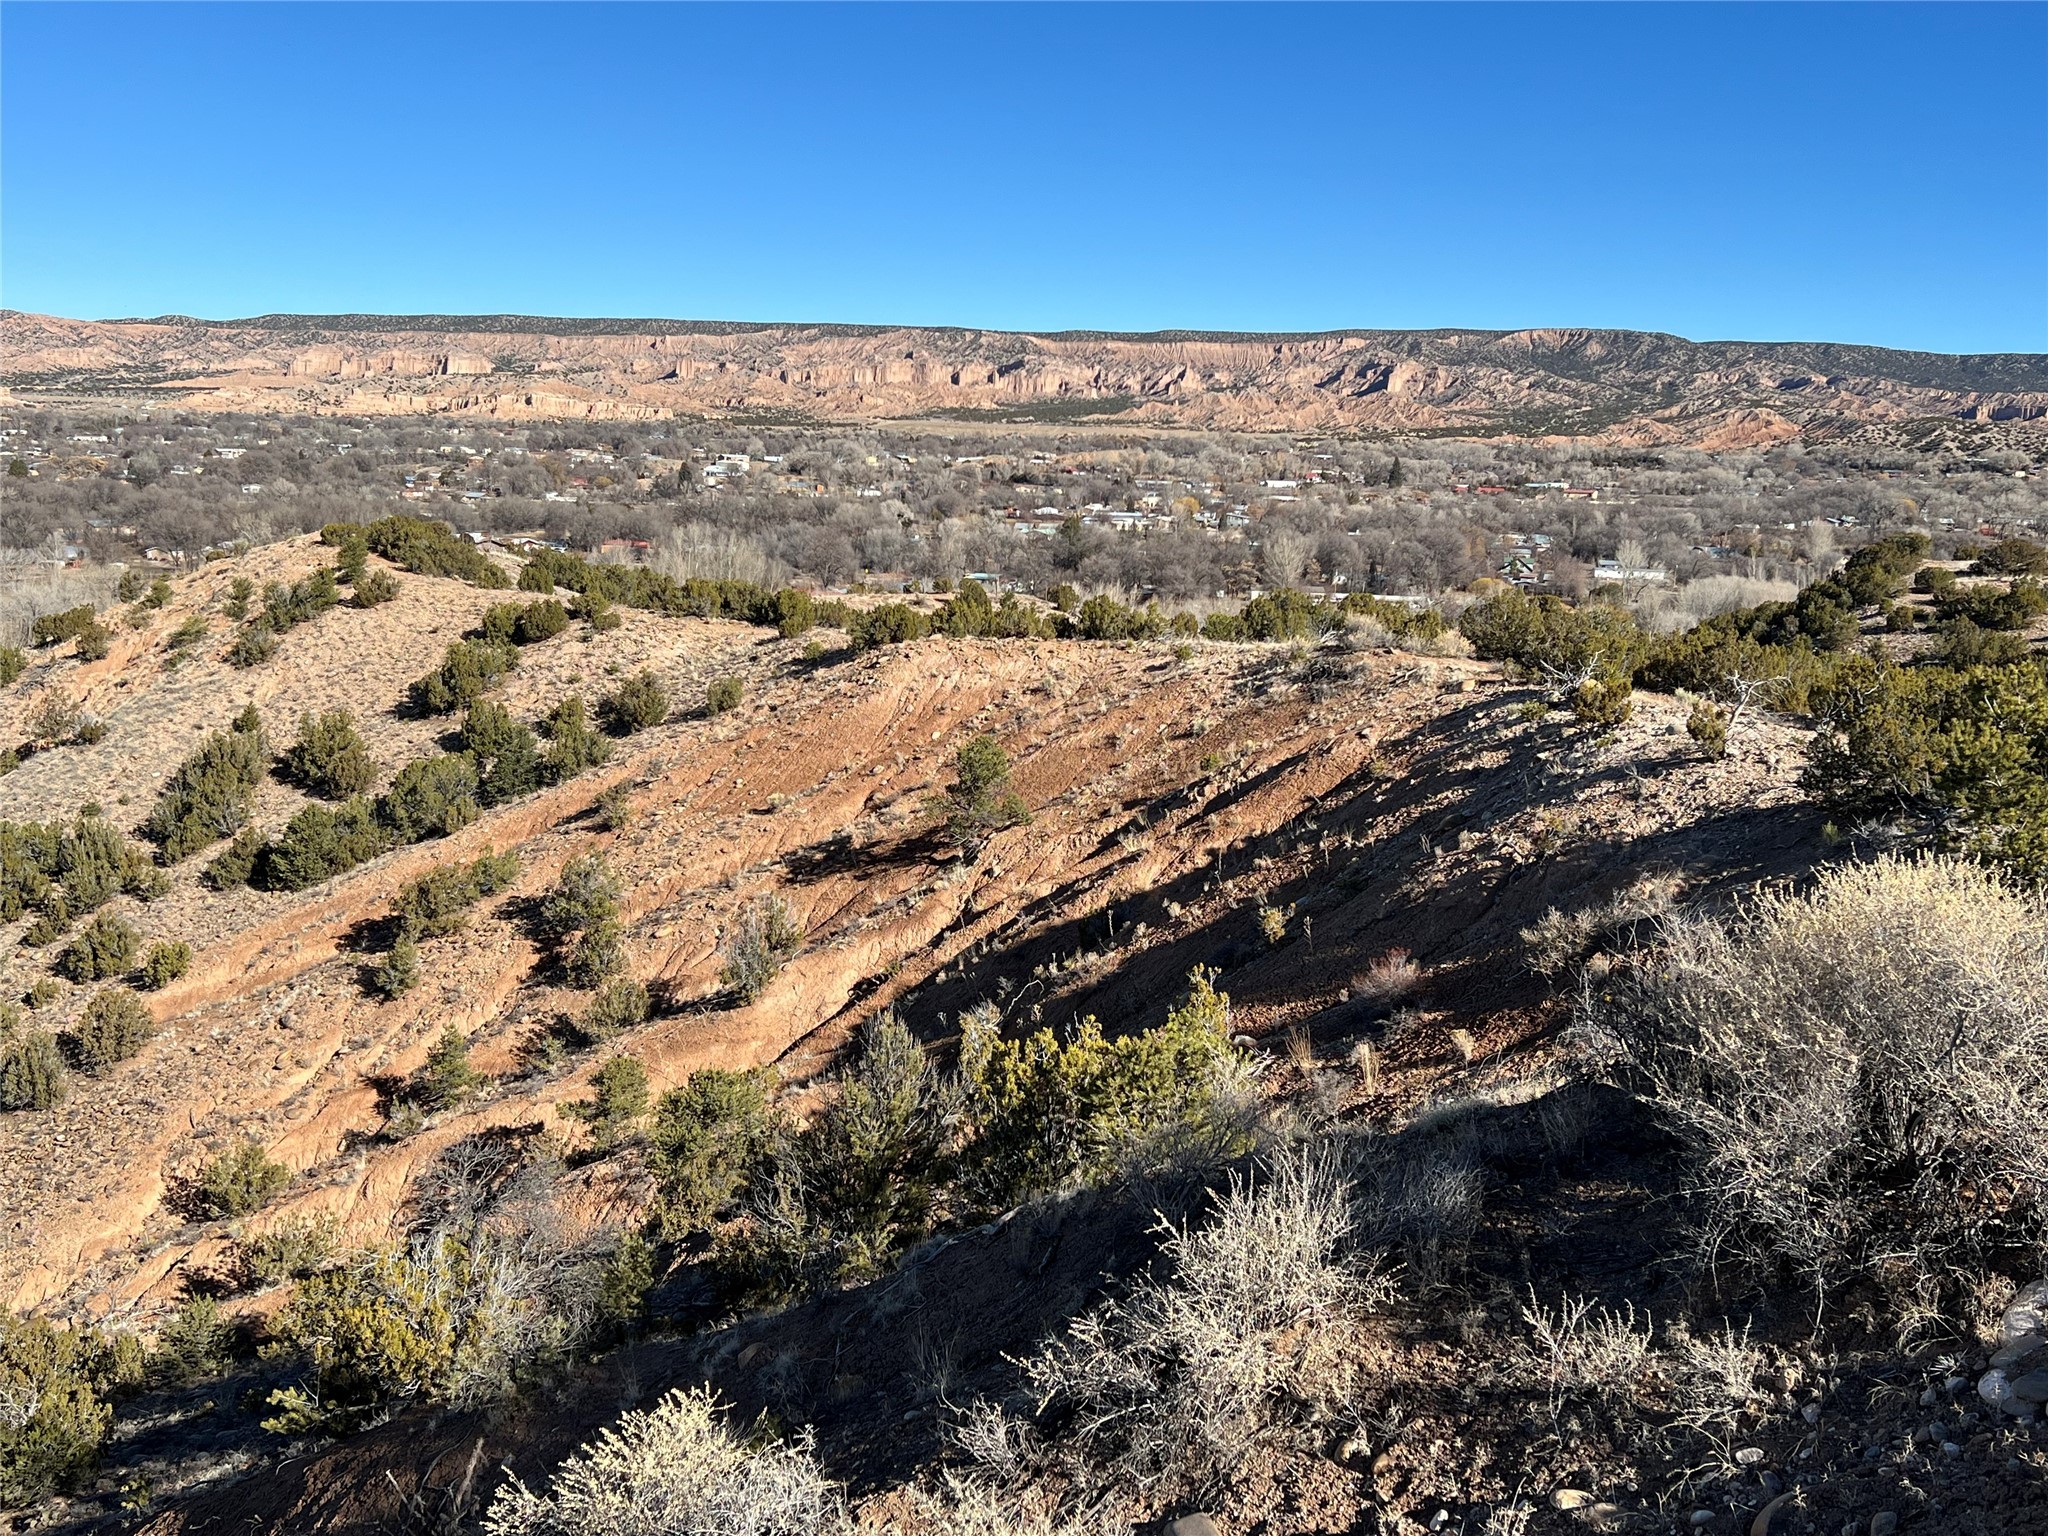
(1182, 1377)
(674, 1468)
(1390, 978)
(1857, 1074)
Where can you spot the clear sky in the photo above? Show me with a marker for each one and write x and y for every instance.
(1825, 172)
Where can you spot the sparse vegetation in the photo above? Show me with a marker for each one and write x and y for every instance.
(763, 938)
(673, 1467)
(982, 799)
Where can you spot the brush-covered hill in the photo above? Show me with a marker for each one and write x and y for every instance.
(1398, 866)
(1630, 387)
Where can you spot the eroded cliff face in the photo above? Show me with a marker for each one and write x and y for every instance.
(1629, 386)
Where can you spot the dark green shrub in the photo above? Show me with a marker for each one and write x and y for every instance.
(615, 809)
(887, 624)
(44, 993)
(1992, 607)
(597, 612)
(2011, 557)
(572, 745)
(290, 1249)
(252, 647)
(352, 560)
(56, 628)
(1966, 748)
(446, 1078)
(318, 844)
(329, 758)
(706, 1146)
(31, 1070)
(1708, 726)
(196, 1344)
(438, 903)
(159, 593)
(189, 633)
(164, 964)
(129, 587)
(598, 954)
(399, 972)
(763, 938)
(470, 669)
(93, 643)
(12, 664)
(539, 621)
(619, 1005)
(636, 704)
(423, 547)
(1963, 644)
(235, 864)
(618, 1102)
(504, 751)
(586, 892)
(723, 694)
(430, 798)
(374, 588)
(840, 1200)
(208, 797)
(236, 604)
(50, 1378)
(103, 948)
(238, 1183)
(116, 1025)
(794, 612)
(982, 799)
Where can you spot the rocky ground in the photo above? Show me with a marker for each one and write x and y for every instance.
(1298, 819)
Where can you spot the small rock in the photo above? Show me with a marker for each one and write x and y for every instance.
(2022, 1348)
(1192, 1525)
(1702, 1517)
(1353, 1449)
(1929, 1398)
(1956, 1383)
(1749, 1456)
(2032, 1387)
(1810, 1413)
(1773, 1485)
(1950, 1448)
(2027, 1314)
(1605, 1517)
(1993, 1387)
(1570, 1498)
(1883, 1523)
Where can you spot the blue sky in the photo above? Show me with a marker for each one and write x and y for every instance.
(1833, 172)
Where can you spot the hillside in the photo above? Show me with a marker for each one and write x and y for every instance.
(1365, 847)
(1622, 386)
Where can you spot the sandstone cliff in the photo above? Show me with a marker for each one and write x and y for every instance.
(1628, 386)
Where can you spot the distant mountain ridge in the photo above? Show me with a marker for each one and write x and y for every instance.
(1625, 386)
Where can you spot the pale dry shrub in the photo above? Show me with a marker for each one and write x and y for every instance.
(1557, 941)
(1390, 978)
(1182, 1377)
(1857, 1073)
(966, 1506)
(675, 1470)
(1582, 1352)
